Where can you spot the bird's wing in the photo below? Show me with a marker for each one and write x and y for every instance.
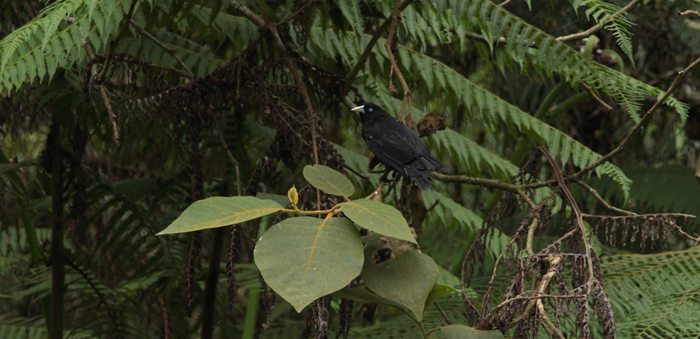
(394, 144)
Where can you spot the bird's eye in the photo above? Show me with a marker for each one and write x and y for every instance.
(370, 110)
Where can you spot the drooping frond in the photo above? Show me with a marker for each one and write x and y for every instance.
(655, 296)
(55, 38)
(604, 14)
(547, 55)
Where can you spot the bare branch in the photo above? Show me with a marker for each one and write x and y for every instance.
(598, 99)
(112, 43)
(168, 49)
(368, 49)
(543, 316)
(601, 200)
(104, 94)
(598, 26)
(689, 12)
(406, 102)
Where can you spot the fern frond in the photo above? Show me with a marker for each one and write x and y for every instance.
(602, 13)
(550, 56)
(55, 42)
(14, 240)
(476, 99)
(655, 296)
(237, 29)
(351, 12)
(22, 328)
(452, 215)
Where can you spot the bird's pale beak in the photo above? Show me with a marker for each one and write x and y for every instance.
(358, 108)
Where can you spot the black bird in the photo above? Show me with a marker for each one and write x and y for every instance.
(397, 146)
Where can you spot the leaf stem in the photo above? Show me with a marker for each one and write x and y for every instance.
(333, 210)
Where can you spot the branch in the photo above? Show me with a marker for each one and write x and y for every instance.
(368, 49)
(598, 26)
(577, 213)
(491, 183)
(395, 68)
(114, 42)
(303, 8)
(601, 200)
(170, 50)
(260, 22)
(543, 316)
(689, 12)
(104, 94)
(442, 312)
(544, 283)
(598, 99)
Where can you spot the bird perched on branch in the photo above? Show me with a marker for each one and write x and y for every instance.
(397, 146)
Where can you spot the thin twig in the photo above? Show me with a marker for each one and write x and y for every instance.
(355, 172)
(544, 283)
(233, 160)
(368, 49)
(406, 102)
(502, 4)
(303, 8)
(577, 213)
(638, 126)
(543, 316)
(113, 43)
(104, 94)
(541, 296)
(592, 191)
(598, 99)
(168, 49)
(598, 26)
(260, 22)
(437, 201)
(695, 238)
(442, 312)
(110, 111)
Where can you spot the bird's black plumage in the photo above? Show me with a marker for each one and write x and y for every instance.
(397, 146)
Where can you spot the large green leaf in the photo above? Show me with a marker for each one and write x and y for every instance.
(466, 332)
(378, 217)
(305, 258)
(220, 211)
(328, 180)
(406, 278)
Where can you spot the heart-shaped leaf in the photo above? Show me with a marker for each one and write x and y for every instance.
(328, 180)
(303, 259)
(220, 211)
(378, 217)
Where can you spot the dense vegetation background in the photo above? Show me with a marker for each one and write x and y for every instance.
(116, 115)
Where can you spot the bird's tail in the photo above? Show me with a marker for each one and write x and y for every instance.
(420, 171)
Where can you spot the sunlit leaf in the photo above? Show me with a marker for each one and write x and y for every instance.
(378, 217)
(328, 180)
(220, 211)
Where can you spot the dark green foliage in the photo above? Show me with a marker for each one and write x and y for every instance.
(225, 101)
